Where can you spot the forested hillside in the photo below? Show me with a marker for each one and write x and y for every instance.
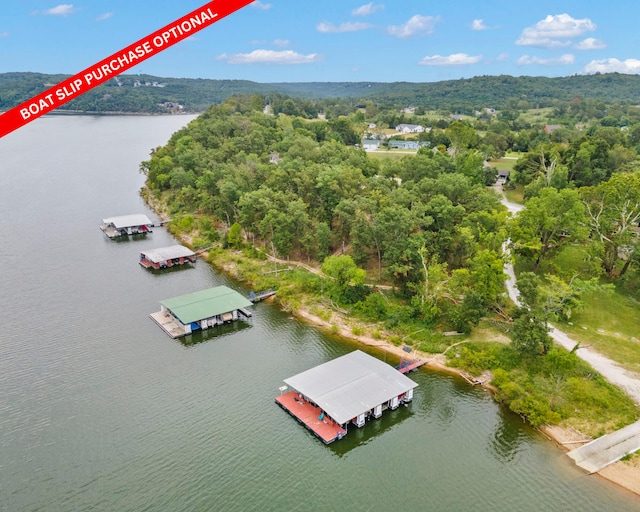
(248, 185)
(296, 190)
(144, 93)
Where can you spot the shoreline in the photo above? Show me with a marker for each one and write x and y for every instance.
(622, 474)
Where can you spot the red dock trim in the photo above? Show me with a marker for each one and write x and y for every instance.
(410, 367)
(307, 414)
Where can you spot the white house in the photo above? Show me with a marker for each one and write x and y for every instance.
(409, 128)
(370, 144)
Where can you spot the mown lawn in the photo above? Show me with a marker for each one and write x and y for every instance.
(609, 322)
(516, 195)
(609, 319)
(389, 155)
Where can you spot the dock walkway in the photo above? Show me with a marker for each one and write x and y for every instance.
(307, 414)
(607, 449)
(409, 366)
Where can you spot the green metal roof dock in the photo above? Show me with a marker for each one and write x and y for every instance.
(182, 315)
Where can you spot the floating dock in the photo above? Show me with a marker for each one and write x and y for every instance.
(410, 366)
(166, 257)
(259, 296)
(349, 389)
(182, 315)
(136, 224)
(309, 415)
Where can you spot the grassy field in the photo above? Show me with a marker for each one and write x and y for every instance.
(609, 319)
(609, 323)
(390, 155)
(538, 115)
(516, 195)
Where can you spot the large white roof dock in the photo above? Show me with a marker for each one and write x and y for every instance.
(352, 388)
(122, 225)
(167, 257)
(182, 315)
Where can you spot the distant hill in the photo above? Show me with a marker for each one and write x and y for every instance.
(151, 94)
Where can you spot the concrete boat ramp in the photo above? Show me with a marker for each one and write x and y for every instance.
(607, 449)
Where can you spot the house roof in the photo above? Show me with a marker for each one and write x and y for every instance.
(167, 253)
(350, 385)
(127, 221)
(196, 306)
(410, 126)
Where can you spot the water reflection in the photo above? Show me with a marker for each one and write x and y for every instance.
(508, 437)
(357, 437)
(214, 333)
(169, 270)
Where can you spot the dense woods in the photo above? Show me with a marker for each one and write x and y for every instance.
(335, 98)
(426, 223)
(414, 243)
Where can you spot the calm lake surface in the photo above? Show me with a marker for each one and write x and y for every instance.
(101, 410)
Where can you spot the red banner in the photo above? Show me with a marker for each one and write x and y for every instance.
(117, 63)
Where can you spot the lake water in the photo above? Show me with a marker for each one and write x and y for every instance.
(101, 410)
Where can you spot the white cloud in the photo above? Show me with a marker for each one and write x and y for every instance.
(104, 16)
(527, 60)
(554, 30)
(611, 65)
(590, 43)
(327, 27)
(281, 43)
(455, 59)
(58, 10)
(259, 5)
(415, 25)
(367, 9)
(270, 57)
(4, 34)
(478, 25)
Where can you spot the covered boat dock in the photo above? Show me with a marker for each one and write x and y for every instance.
(136, 224)
(351, 388)
(166, 257)
(182, 315)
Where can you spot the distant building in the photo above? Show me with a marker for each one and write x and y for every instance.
(409, 128)
(370, 144)
(409, 144)
(503, 176)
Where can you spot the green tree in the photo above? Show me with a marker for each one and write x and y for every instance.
(343, 272)
(530, 331)
(234, 237)
(613, 213)
(549, 221)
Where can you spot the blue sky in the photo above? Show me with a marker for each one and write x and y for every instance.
(332, 40)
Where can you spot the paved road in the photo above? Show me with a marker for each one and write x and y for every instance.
(607, 449)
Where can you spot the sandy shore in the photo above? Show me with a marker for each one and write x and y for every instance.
(625, 474)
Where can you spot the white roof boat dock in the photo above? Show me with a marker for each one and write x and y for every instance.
(164, 257)
(350, 388)
(182, 315)
(135, 224)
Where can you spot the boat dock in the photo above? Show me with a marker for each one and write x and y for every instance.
(166, 257)
(410, 366)
(311, 416)
(259, 296)
(123, 225)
